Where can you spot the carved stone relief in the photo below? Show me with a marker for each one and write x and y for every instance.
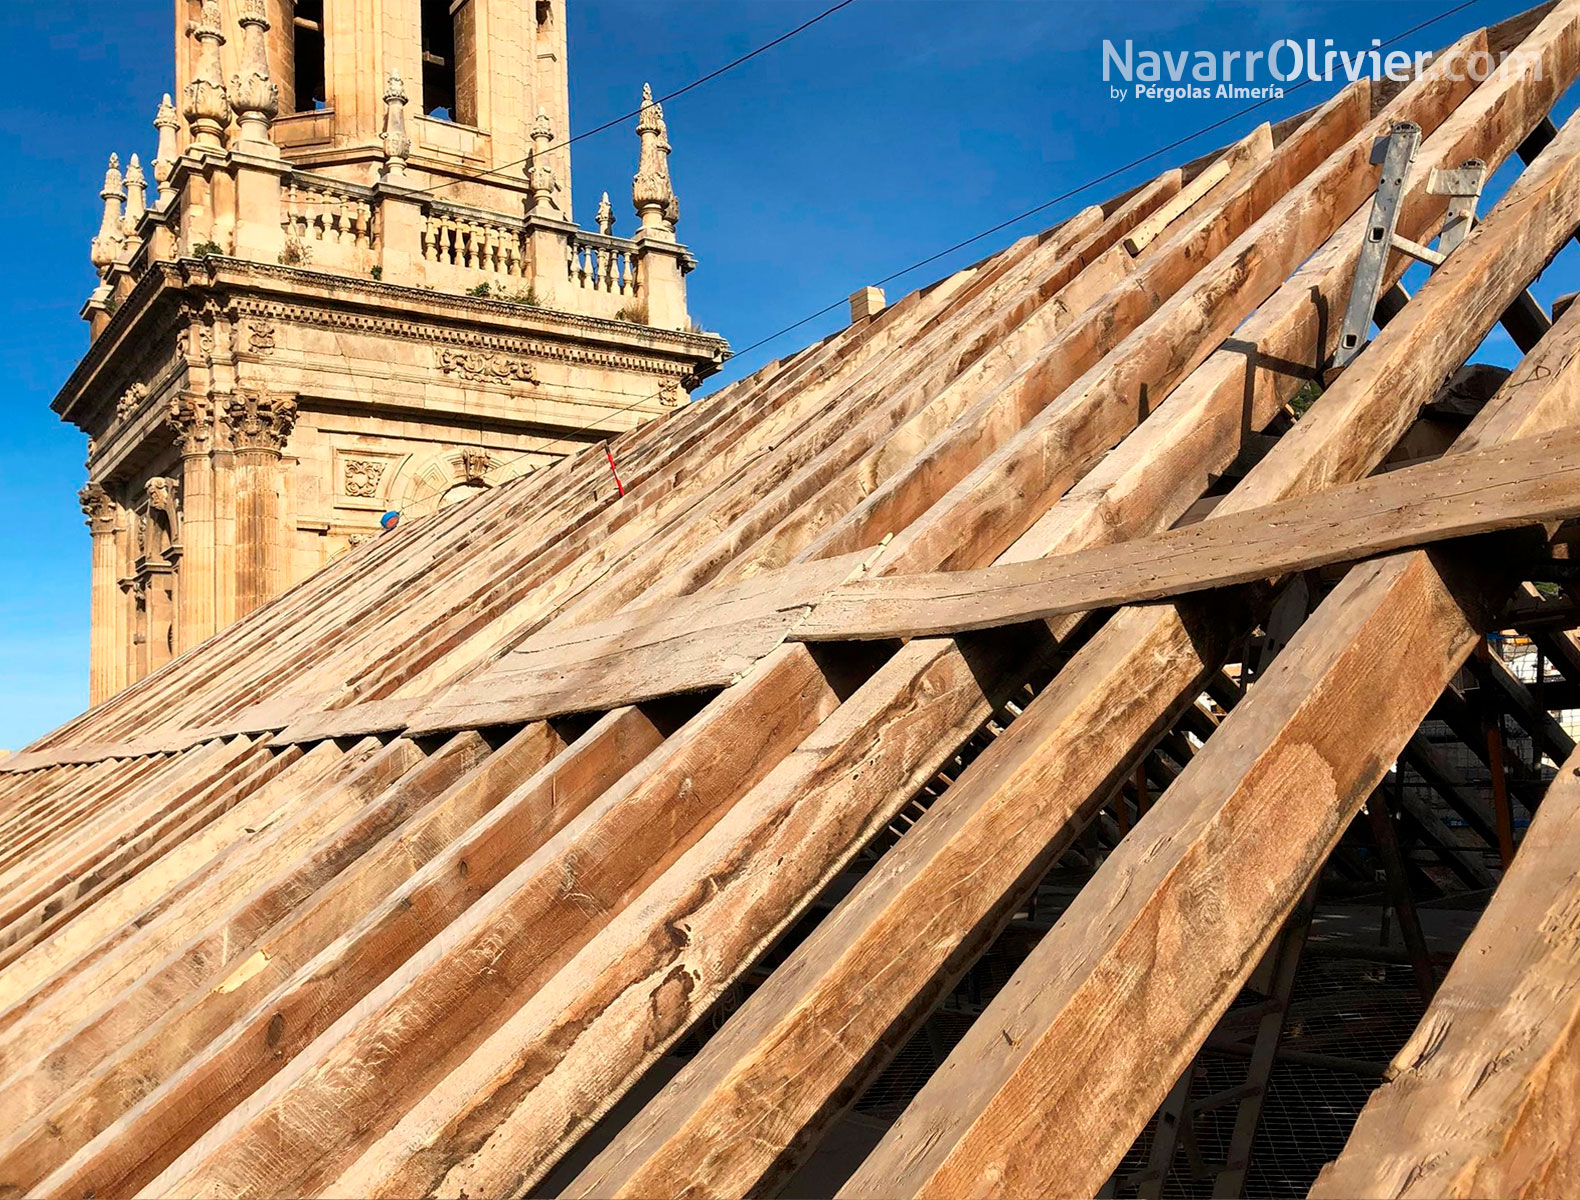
(484, 366)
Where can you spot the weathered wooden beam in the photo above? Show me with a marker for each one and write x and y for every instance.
(1523, 483)
(1376, 655)
(355, 932)
(1256, 146)
(780, 1097)
(457, 991)
(705, 641)
(1494, 675)
(1481, 1100)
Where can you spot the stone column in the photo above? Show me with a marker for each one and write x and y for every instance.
(192, 421)
(259, 426)
(101, 510)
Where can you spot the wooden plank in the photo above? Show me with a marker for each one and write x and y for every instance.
(521, 1098)
(230, 789)
(384, 1055)
(1256, 146)
(1481, 1100)
(377, 716)
(691, 644)
(1504, 487)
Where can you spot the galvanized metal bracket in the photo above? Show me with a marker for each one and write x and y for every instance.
(1395, 152)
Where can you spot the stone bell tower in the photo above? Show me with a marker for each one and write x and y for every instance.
(356, 287)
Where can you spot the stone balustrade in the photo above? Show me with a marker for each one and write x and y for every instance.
(327, 223)
(236, 195)
(599, 263)
(486, 246)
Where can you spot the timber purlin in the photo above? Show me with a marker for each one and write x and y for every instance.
(597, 844)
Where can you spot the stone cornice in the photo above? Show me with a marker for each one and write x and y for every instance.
(326, 298)
(498, 312)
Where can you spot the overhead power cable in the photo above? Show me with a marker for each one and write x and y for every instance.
(637, 111)
(1088, 185)
(592, 427)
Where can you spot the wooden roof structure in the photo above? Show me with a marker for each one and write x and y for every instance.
(404, 883)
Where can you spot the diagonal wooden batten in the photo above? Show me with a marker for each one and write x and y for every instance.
(1170, 266)
(698, 654)
(693, 644)
(1529, 482)
(1254, 147)
(1480, 1101)
(1342, 706)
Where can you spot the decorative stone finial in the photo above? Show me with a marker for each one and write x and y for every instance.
(651, 191)
(111, 241)
(254, 97)
(605, 216)
(207, 107)
(136, 196)
(540, 176)
(168, 125)
(397, 142)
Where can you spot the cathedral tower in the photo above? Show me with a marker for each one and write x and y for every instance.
(352, 285)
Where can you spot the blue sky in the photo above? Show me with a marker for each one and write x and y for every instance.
(886, 133)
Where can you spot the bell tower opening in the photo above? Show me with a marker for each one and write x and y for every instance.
(438, 60)
(311, 93)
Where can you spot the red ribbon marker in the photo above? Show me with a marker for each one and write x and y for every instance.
(610, 454)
